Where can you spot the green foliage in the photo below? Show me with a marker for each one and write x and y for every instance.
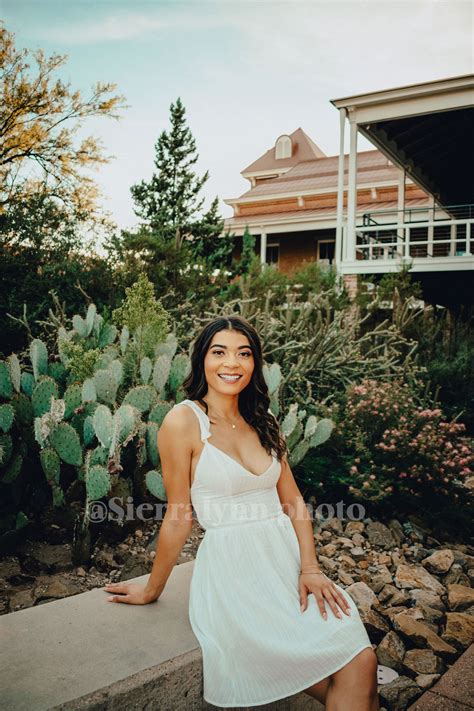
(170, 201)
(154, 483)
(41, 396)
(66, 442)
(7, 413)
(80, 359)
(98, 482)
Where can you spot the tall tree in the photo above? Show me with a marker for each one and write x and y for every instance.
(170, 203)
(39, 118)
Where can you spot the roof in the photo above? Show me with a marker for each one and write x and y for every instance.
(436, 86)
(309, 215)
(311, 175)
(303, 149)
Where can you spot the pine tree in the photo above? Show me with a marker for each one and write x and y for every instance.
(170, 202)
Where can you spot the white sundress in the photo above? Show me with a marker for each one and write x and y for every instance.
(244, 609)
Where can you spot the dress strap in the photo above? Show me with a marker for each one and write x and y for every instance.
(202, 417)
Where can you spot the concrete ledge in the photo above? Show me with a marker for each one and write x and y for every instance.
(83, 652)
(455, 689)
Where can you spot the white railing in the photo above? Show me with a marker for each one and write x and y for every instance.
(438, 238)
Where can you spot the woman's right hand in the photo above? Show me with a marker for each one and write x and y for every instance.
(130, 593)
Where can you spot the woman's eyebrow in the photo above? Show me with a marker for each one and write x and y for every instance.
(218, 345)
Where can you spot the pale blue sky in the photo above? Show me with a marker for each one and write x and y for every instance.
(246, 71)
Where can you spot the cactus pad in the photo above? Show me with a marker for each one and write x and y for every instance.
(51, 464)
(66, 442)
(142, 397)
(97, 482)
(154, 484)
(39, 358)
(44, 390)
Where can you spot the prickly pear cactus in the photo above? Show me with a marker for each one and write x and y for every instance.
(143, 397)
(154, 483)
(7, 414)
(97, 482)
(65, 441)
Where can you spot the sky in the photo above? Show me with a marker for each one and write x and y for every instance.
(246, 71)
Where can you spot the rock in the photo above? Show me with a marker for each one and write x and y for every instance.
(400, 597)
(427, 597)
(362, 595)
(344, 542)
(459, 630)
(381, 578)
(460, 597)
(375, 624)
(399, 693)
(347, 561)
(422, 661)
(358, 540)
(50, 587)
(357, 553)
(440, 561)
(81, 573)
(330, 550)
(391, 651)
(333, 524)
(134, 568)
(426, 681)
(10, 568)
(354, 527)
(415, 576)
(421, 635)
(431, 614)
(104, 560)
(44, 557)
(21, 599)
(328, 563)
(387, 592)
(397, 530)
(345, 578)
(380, 536)
(455, 575)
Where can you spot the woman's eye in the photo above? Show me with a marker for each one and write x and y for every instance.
(247, 354)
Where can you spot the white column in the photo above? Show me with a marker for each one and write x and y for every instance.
(338, 250)
(401, 208)
(431, 216)
(352, 195)
(263, 247)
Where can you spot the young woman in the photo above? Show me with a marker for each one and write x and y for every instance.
(269, 622)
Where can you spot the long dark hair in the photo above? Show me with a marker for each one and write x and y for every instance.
(254, 400)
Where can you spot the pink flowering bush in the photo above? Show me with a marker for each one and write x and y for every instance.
(401, 447)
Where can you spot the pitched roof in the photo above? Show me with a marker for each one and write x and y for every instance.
(372, 167)
(322, 212)
(303, 149)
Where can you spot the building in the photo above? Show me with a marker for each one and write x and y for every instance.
(410, 200)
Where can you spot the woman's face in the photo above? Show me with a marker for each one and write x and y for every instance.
(230, 355)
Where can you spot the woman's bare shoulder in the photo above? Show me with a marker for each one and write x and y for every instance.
(178, 422)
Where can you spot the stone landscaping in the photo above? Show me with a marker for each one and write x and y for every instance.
(413, 591)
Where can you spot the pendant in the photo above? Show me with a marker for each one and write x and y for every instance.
(233, 427)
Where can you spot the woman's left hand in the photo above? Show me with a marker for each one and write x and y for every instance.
(323, 589)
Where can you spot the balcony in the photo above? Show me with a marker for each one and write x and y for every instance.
(434, 239)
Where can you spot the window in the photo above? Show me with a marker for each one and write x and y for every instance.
(283, 147)
(273, 253)
(326, 250)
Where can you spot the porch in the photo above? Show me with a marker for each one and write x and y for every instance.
(427, 132)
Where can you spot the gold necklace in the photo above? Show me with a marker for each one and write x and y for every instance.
(228, 421)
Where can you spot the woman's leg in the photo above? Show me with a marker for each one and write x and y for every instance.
(354, 687)
(319, 690)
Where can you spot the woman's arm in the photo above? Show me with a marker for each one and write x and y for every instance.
(174, 445)
(311, 579)
(175, 448)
